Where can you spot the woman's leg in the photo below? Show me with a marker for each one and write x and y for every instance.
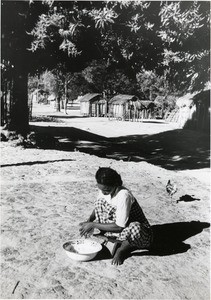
(135, 236)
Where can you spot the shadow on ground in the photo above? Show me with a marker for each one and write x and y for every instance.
(31, 163)
(54, 118)
(169, 238)
(187, 198)
(178, 149)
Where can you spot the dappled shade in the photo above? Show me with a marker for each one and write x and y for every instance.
(174, 150)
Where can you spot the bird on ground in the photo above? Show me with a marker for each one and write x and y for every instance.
(171, 188)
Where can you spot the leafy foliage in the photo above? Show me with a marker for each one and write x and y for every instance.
(105, 79)
(151, 85)
(185, 34)
(168, 41)
(103, 17)
(158, 36)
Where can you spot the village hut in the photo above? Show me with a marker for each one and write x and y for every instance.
(145, 109)
(122, 106)
(99, 108)
(34, 96)
(184, 110)
(199, 112)
(52, 100)
(88, 104)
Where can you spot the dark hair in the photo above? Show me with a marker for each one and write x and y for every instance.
(108, 176)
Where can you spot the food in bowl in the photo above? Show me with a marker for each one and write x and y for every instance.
(82, 250)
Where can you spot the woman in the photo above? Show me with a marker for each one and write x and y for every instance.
(118, 214)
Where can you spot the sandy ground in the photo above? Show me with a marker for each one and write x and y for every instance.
(46, 193)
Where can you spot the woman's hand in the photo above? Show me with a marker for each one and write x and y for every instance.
(86, 228)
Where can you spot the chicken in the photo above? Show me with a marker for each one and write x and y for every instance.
(171, 188)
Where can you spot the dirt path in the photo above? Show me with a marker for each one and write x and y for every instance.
(46, 193)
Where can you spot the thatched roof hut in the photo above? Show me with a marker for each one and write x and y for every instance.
(202, 97)
(144, 109)
(86, 103)
(146, 104)
(185, 101)
(122, 99)
(121, 105)
(99, 107)
(90, 97)
(194, 111)
(200, 119)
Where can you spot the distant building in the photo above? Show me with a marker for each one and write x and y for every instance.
(121, 106)
(88, 103)
(194, 111)
(52, 100)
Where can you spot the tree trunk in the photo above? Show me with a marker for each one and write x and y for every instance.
(4, 92)
(58, 97)
(58, 106)
(150, 94)
(18, 119)
(65, 96)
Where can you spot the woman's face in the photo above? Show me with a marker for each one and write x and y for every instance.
(106, 189)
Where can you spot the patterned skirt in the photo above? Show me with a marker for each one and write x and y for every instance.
(137, 231)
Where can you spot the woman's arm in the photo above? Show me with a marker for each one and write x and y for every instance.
(112, 227)
(86, 227)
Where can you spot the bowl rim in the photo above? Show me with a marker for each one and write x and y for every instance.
(82, 241)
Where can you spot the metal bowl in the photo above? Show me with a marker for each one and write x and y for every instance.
(82, 250)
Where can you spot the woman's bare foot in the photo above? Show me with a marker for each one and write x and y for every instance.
(121, 253)
(118, 258)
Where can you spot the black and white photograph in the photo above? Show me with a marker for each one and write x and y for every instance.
(105, 150)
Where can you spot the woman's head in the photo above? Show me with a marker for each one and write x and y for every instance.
(107, 180)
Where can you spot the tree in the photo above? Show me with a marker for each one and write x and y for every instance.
(118, 82)
(150, 85)
(104, 78)
(162, 36)
(17, 19)
(13, 54)
(121, 33)
(77, 85)
(169, 38)
(185, 33)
